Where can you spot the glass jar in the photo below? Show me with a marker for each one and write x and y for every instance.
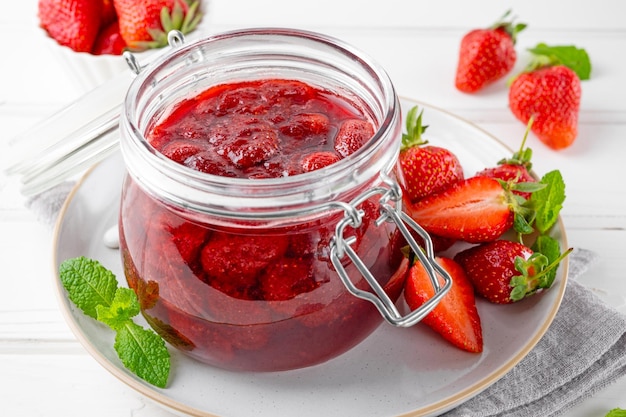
(330, 238)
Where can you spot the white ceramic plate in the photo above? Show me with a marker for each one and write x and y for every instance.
(393, 372)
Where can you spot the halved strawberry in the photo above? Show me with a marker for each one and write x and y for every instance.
(455, 318)
(425, 169)
(477, 209)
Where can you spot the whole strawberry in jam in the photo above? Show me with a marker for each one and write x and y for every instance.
(549, 91)
(352, 135)
(234, 263)
(259, 129)
(425, 169)
(487, 55)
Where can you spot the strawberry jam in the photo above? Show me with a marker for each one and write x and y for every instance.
(261, 129)
(234, 193)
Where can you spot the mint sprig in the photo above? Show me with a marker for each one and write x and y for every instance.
(551, 249)
(548, 201)
(94, 290)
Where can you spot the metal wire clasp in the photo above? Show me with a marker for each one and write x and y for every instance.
(390, 204)
(175, 38)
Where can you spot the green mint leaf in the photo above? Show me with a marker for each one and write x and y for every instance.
(123, 308)
(550, 248)
(143, 352)
(572, 57)
(548, 201)
(94, 290)
(616, 412)
(88, 284)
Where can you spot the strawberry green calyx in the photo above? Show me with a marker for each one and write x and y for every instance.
(537, 272)
(523, 213)
(570, 56)
(414, 130)
(175, 19)
(509, 26)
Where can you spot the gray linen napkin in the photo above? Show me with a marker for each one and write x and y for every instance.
(583, 351)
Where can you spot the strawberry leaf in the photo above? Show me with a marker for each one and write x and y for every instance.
(572, 57)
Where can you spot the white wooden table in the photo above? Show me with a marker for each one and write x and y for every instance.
(46, 372)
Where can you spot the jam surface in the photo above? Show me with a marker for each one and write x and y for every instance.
(255, 298)
(261, 129)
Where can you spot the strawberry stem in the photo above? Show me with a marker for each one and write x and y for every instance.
(508, 26)
(524, 155)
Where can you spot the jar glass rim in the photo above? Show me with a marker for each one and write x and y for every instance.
(273, 45)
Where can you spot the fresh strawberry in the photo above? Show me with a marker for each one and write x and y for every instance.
(514, 169)
(317, 160)
(145, 24)
(398, 241)
(72, 23)
(504, 272)
(425, 169)
(549, 91)
(352, 135)
(477, 209)
(109, 15)
(487, 55)
(455, 318)
(109, 41)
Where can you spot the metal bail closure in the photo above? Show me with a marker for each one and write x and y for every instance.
(390, 211)
(175, 38)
